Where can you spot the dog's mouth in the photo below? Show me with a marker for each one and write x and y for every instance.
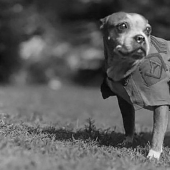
(138, 53)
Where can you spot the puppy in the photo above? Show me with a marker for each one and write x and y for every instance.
(137, 72)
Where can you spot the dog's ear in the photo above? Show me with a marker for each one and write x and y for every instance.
(103, 21)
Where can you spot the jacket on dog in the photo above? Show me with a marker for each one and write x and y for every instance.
(149, 84)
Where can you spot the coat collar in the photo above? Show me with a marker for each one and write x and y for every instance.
(159, 44)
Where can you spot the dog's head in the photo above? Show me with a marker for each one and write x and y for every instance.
(128, 34)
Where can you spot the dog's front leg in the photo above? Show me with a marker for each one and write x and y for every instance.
(160, 122)
(128, 115)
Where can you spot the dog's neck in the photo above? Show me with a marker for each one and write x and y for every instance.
(117, 67)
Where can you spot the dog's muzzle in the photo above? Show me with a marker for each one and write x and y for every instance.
(135, 54)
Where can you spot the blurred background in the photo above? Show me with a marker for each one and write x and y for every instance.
(44, 41)
(51, 58)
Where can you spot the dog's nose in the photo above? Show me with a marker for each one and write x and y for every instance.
(139, 39)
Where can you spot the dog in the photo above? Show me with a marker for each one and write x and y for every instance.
(137, 73)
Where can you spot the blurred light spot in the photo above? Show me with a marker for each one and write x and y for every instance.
(73, 61)
(61, 49)
(55, 84)
(32, 48)
(17, 8)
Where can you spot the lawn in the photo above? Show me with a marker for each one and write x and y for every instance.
(72, 128)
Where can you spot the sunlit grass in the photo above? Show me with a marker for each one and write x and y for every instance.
(36, 134)
(37, 145)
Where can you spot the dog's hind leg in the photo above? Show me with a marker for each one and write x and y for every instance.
(159, 129)
(128, 115)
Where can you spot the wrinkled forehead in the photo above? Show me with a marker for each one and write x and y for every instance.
(132, 18)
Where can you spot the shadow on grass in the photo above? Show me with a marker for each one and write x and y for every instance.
(103, 137)
(91, 133)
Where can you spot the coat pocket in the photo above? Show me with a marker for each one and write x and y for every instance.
(152, 69)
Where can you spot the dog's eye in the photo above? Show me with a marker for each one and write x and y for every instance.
(121, 27)
(148, 31)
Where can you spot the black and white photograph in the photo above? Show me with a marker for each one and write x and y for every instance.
(84, 84)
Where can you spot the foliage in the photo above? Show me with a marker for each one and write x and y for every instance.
(9, 60)
(70, 31)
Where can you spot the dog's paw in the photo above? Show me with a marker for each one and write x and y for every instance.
(154, 154)
(128, 141)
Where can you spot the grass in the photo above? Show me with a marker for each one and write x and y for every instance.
(30, 145)
(30, 138)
